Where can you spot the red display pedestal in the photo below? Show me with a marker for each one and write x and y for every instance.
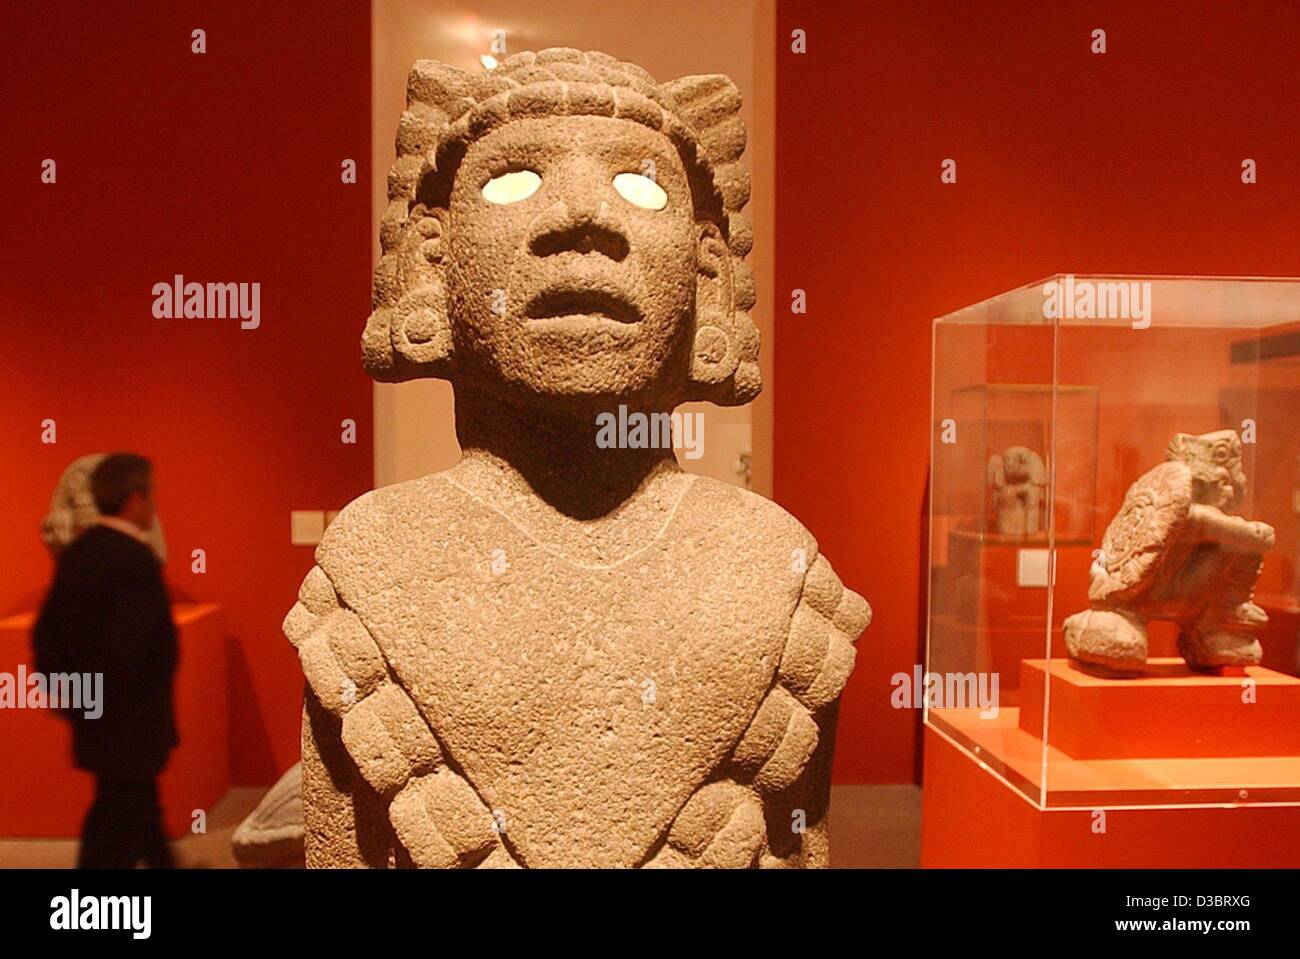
(1168, 711)
(1280, 637)
(1172, 769)
(41, 793)
(971, 818)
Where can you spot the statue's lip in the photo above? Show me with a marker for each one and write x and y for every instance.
(570, 302)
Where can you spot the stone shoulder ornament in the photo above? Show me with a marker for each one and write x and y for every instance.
(555, 654)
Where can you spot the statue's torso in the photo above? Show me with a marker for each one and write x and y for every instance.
(584, 702)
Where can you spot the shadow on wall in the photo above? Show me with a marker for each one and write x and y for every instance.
(252, 744)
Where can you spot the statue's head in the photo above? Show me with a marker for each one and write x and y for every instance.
(1017, 465)
(1215, 461)
(563, 231)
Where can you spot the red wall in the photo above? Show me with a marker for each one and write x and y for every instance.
(222, 167)
(1127, 162)
(225, 166)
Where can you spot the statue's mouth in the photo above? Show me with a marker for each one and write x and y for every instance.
(576, 305)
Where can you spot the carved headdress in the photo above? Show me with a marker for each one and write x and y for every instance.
(408, 335)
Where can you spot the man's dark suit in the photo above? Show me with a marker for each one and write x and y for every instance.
(108, 612)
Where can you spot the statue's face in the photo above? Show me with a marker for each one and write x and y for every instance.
(1017, 464)
(571, 274)
(1225, 453)
(1217, 469)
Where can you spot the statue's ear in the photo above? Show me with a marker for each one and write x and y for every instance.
(1037, 469)
(724, 364)
(997, 471)
(724, 359)
(408, 335)
(715, 355)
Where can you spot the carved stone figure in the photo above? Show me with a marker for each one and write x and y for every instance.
(271, 837)
(555, 653)
(1019, 481)
(1174, 552)
(73, 510)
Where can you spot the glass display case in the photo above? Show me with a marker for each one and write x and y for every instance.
(1112, 613)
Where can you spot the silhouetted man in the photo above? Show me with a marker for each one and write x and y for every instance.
(108, 612)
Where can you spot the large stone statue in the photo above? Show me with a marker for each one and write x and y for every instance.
(558, 653)
(1019, 481)
(73, 510)
(1174, 552)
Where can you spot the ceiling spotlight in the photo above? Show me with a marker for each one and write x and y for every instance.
(489, 62)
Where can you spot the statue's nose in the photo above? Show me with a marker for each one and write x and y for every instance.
(579, 221)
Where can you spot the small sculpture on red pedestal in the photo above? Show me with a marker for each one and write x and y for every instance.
(1019, 481)
(1175, 552)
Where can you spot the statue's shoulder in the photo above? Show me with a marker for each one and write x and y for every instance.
(369, 522)
(744, 514)
(427, 495)
(436, 499)
(753, 522)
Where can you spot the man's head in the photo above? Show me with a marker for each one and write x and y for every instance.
(122, 485)
(564, 231)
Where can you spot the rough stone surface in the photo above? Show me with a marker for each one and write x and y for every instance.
(73, 510)
(1174, 552)
(1019, 482)
(561, 652)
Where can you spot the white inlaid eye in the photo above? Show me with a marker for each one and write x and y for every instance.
(511, 187)
(641, 191)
